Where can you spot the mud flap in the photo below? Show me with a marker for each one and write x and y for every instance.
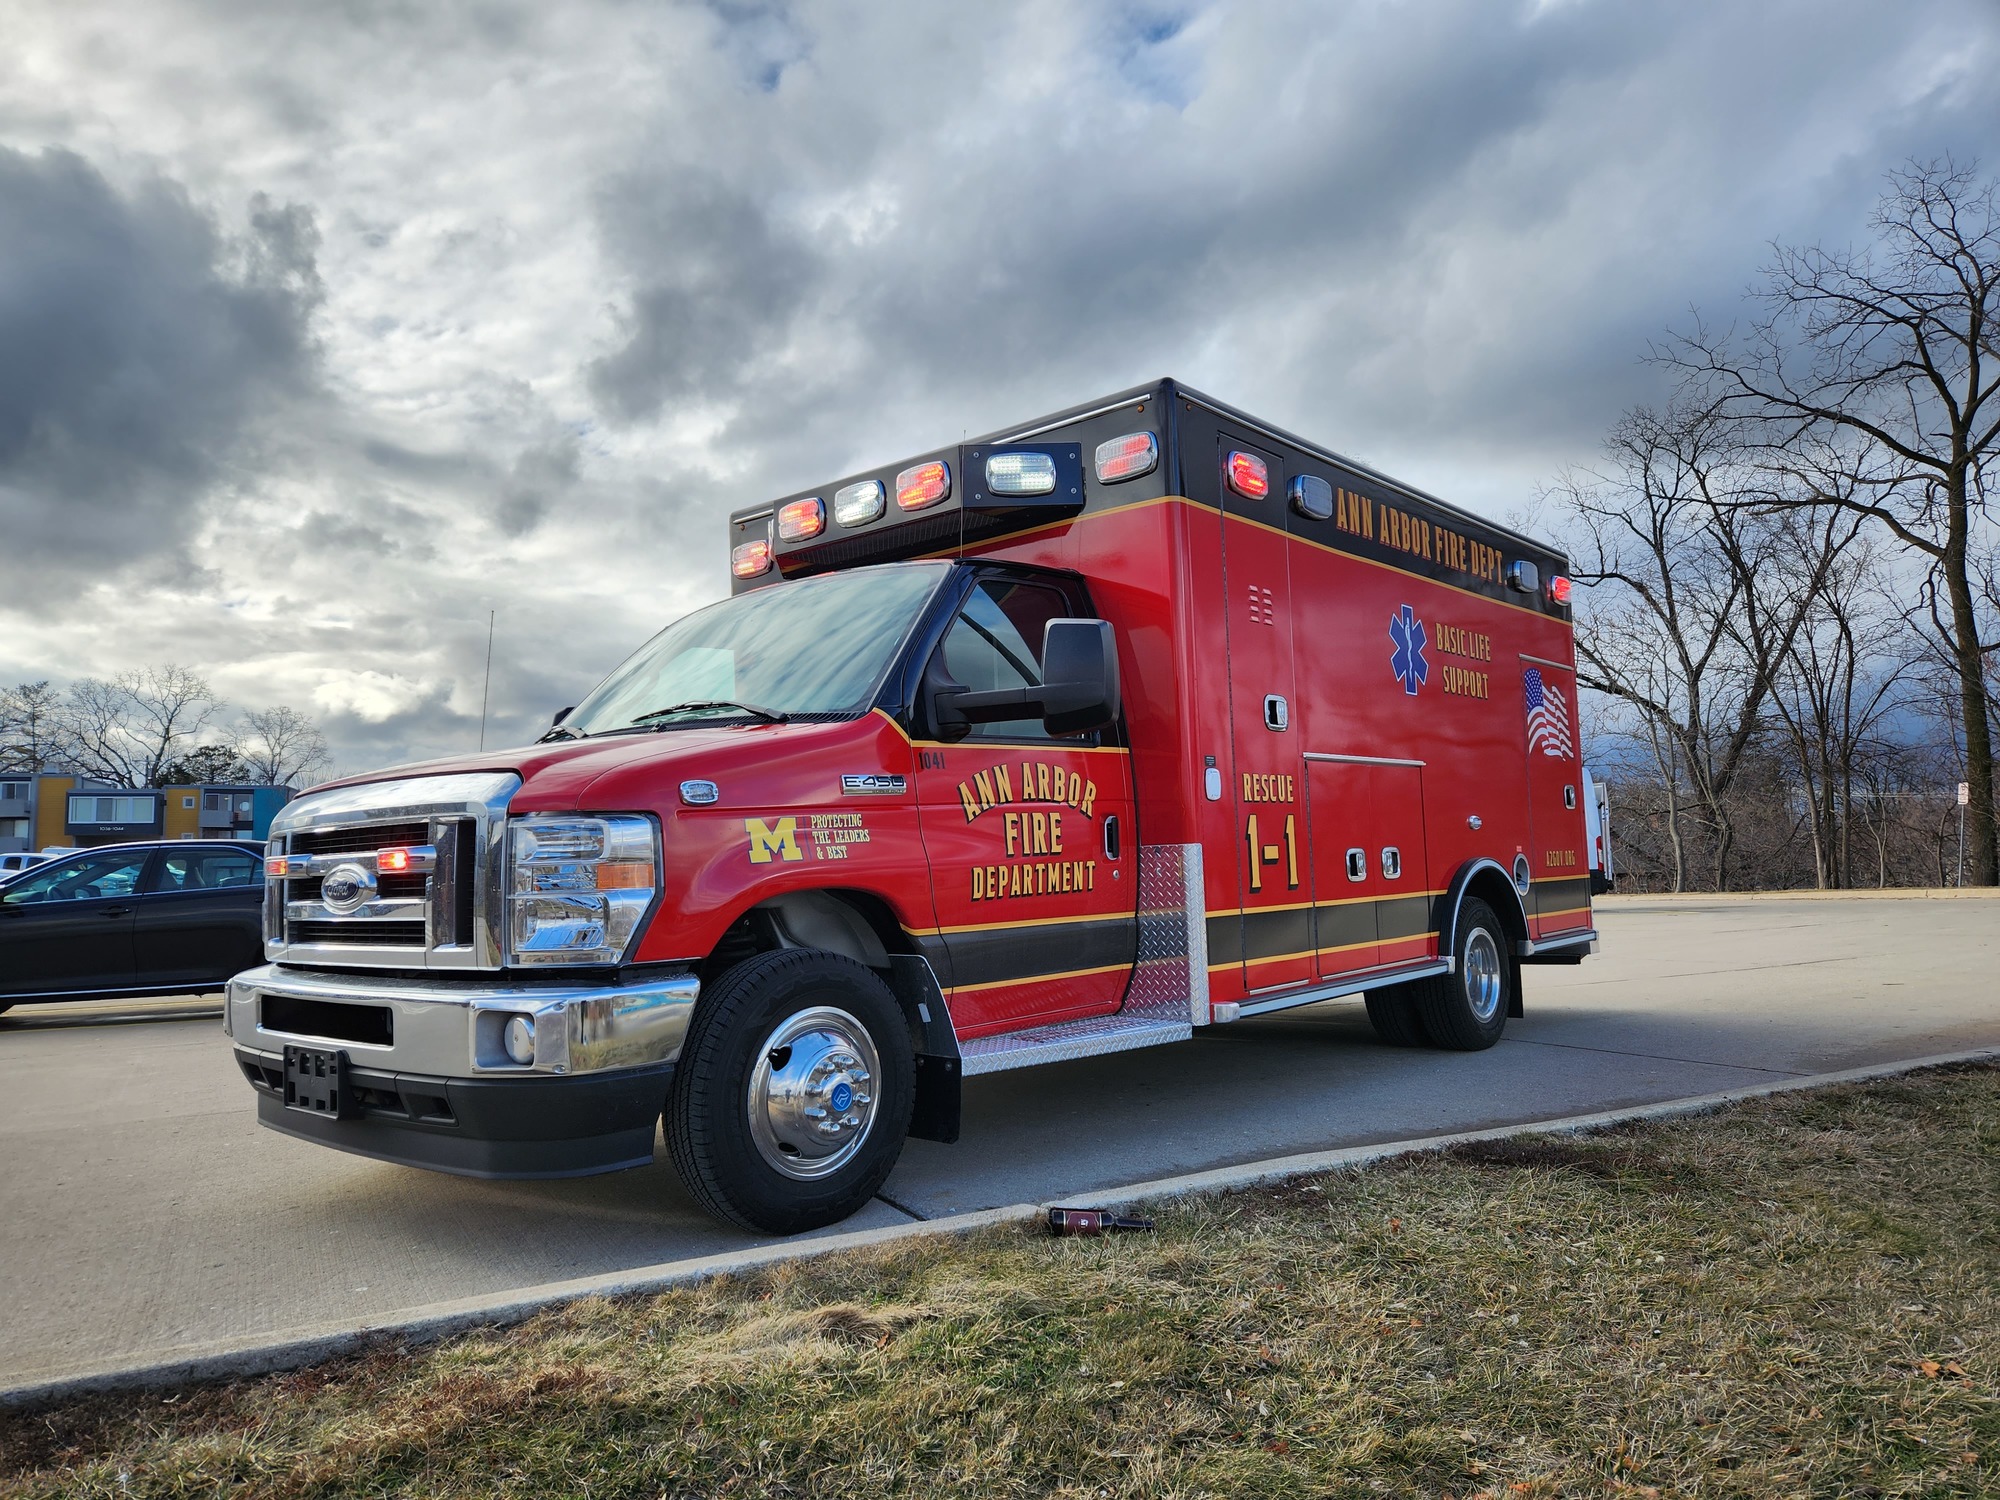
(935, 1114)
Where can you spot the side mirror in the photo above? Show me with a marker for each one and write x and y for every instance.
(1079, 690)
(1079, 676)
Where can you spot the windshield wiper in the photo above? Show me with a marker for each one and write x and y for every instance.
(560, 732)
(699, 704)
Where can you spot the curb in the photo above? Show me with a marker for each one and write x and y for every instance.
(1626, 900)
(223, 1360)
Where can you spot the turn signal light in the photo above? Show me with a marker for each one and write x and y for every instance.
(750, 559)
(923, 484)
(1127, 457)
(1558, 589)
(624, 877)
(802, 519)
(275, 867)
(392, 861)
(1248, 475)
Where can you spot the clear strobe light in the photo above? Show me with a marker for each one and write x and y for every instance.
(1021, 474)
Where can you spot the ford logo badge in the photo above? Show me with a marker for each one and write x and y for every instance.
(347, 888)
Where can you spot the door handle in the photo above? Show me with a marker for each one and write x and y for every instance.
(1392, 863)
(1111, 837)
(116, 911)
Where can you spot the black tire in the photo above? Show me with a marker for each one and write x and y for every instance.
(1392, 1011)
(724, 1144)
(1466, 1010)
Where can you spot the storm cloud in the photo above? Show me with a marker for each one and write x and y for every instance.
(425, 314)
(141, 345)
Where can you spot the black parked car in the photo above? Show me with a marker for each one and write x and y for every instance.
(132, 919)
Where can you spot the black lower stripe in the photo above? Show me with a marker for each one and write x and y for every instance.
(1273, 934)
(1403, 917)
(1345, 925)
(1023, 953)
(1561, 895)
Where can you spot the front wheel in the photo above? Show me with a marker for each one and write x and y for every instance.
(792, 1096)
(1466, 1010)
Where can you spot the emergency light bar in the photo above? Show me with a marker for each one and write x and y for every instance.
(943, 501)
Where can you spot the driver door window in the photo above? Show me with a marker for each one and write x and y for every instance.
(995, 644)
(96, 878)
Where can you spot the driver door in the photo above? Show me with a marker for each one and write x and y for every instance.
(1029, 837)
(68, 926)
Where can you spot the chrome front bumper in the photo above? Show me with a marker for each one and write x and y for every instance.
(453, 1029)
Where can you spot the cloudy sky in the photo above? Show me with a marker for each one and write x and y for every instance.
(327, 328)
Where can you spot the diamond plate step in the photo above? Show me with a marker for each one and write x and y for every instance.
(1067, 1040)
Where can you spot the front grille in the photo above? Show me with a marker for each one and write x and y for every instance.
(352, 934)
(366, 838)
(438, 919)
(391, 886)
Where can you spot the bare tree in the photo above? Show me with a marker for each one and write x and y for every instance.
(31, 729)
(130, 728)
(1835, 686)
(282, 746)
(1686, 610)
(1890, 357)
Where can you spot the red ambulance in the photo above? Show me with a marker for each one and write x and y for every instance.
(1137, 719)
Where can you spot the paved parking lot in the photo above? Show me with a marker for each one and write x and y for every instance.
(144, 1215)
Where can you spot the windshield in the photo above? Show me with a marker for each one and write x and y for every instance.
(819, 646)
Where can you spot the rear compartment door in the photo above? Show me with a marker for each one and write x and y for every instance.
(1268, 783)
(1557, 855)
(1370, 882)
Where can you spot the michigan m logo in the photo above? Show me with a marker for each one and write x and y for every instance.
(773, 840)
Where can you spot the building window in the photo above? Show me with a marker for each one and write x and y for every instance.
(187, 802)
(90, 809)
(214, 802)
(13, 791)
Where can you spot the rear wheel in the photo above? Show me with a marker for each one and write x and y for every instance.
(792, 1096)
(1466, 1010)
(1392, 1011)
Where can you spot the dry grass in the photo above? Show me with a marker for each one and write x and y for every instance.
(1794, 1297)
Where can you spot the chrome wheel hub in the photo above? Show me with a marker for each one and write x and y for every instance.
(1483, 982)
(812, 1093)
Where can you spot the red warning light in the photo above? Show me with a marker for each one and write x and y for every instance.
(923, 484)
(1558, 589)
(1248, 476)
(1127, 457)
(802, 519)
(751, 559)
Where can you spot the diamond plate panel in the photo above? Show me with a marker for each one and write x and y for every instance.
(1068, 1040)
(1170, 981)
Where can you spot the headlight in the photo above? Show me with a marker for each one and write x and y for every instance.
(578, 887)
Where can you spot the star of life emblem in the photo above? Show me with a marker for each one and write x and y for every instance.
(1407, 661)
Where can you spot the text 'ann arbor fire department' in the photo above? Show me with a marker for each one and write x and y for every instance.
(1031, 836)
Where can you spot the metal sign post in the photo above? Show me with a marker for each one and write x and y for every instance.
(1964, 796)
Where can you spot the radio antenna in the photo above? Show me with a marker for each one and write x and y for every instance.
(486, 687)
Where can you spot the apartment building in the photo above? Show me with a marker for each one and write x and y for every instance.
(62, 810)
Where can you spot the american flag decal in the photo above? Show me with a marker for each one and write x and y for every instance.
(1548, 718)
